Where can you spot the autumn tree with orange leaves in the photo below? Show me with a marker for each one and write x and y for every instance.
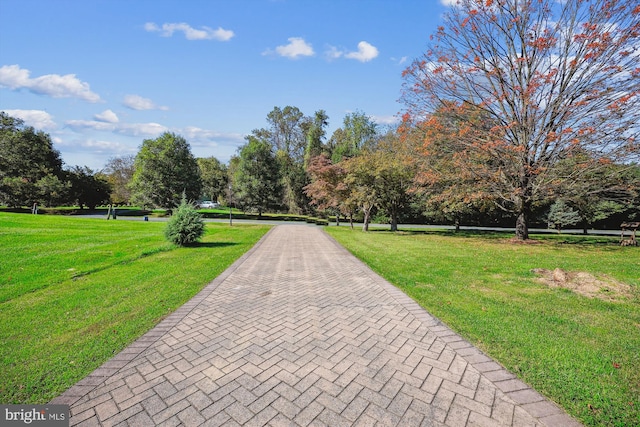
(328, 189)
(552, 78)
(449, 178)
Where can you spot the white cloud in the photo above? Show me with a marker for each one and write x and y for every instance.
(297, 47)
(142, 129)
(54, 85)
(366, 52)
(190, 33)
(136, 102)
(40, 120)
(96, 145)
(129, 129)
(400, 61)
(333, 53)
(80, 125)
(107, 116)
(205, 137)
(449, 2)
(385, 120)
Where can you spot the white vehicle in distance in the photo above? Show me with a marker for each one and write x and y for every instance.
(208, 204)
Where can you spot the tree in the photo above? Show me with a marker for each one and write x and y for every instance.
(381, 178)
(609, 188)
(288, 134)
(257, 180)
(186, 226)
(87, 187)
(286, 131)
(214, 177)
(394, 175)
(164, 169)
(119, 174)
(52, 191)
(360, 181)
(554, 77)
(452, 181)
(561, 214)
(358, 131)
(328, 189)
(315, 133)
(26, 157)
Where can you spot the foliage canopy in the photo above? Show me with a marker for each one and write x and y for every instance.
(164, 169)
(552, 78)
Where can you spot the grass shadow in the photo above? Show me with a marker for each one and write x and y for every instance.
(213, 244)
(448, 232)
(586, 241)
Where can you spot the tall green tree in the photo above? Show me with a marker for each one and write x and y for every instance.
(361, 184)
(214, 178)
(315, 134)
(286, 131)
(165, 168)
(394, 173)
(257, 181)
(358, 132)
(53, 191)
(292, 134)
(26, 157)
(87, 188)
(381, 178)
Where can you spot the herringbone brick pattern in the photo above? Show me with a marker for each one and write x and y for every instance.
(300, 333)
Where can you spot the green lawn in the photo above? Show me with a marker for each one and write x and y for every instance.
(75, 291)
(582, 353)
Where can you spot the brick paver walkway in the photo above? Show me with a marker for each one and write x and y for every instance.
(299, 332)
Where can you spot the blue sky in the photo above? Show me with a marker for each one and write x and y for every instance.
(100, 76)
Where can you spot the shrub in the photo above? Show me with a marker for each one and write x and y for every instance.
(185, 226)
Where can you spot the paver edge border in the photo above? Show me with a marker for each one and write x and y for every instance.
(547, 412)
(131, 351)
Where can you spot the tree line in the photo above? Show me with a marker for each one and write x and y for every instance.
(31, 171)
(415, 171)
(518, 108)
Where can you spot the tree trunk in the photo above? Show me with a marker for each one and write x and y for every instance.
(367, 218)
(522, 223)
(351, 219)
(394, 221)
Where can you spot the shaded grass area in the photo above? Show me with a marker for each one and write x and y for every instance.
(133, 211)
(582, 353)
(75, 291)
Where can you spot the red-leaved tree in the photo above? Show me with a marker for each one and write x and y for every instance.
(327, 190)
(554, 79)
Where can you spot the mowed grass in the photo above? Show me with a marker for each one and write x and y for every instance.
(580, 352)
(76, 291)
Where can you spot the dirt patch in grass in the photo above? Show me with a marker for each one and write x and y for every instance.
(516, 241)
(602, 287)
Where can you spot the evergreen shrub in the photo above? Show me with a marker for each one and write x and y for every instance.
(186, 226)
